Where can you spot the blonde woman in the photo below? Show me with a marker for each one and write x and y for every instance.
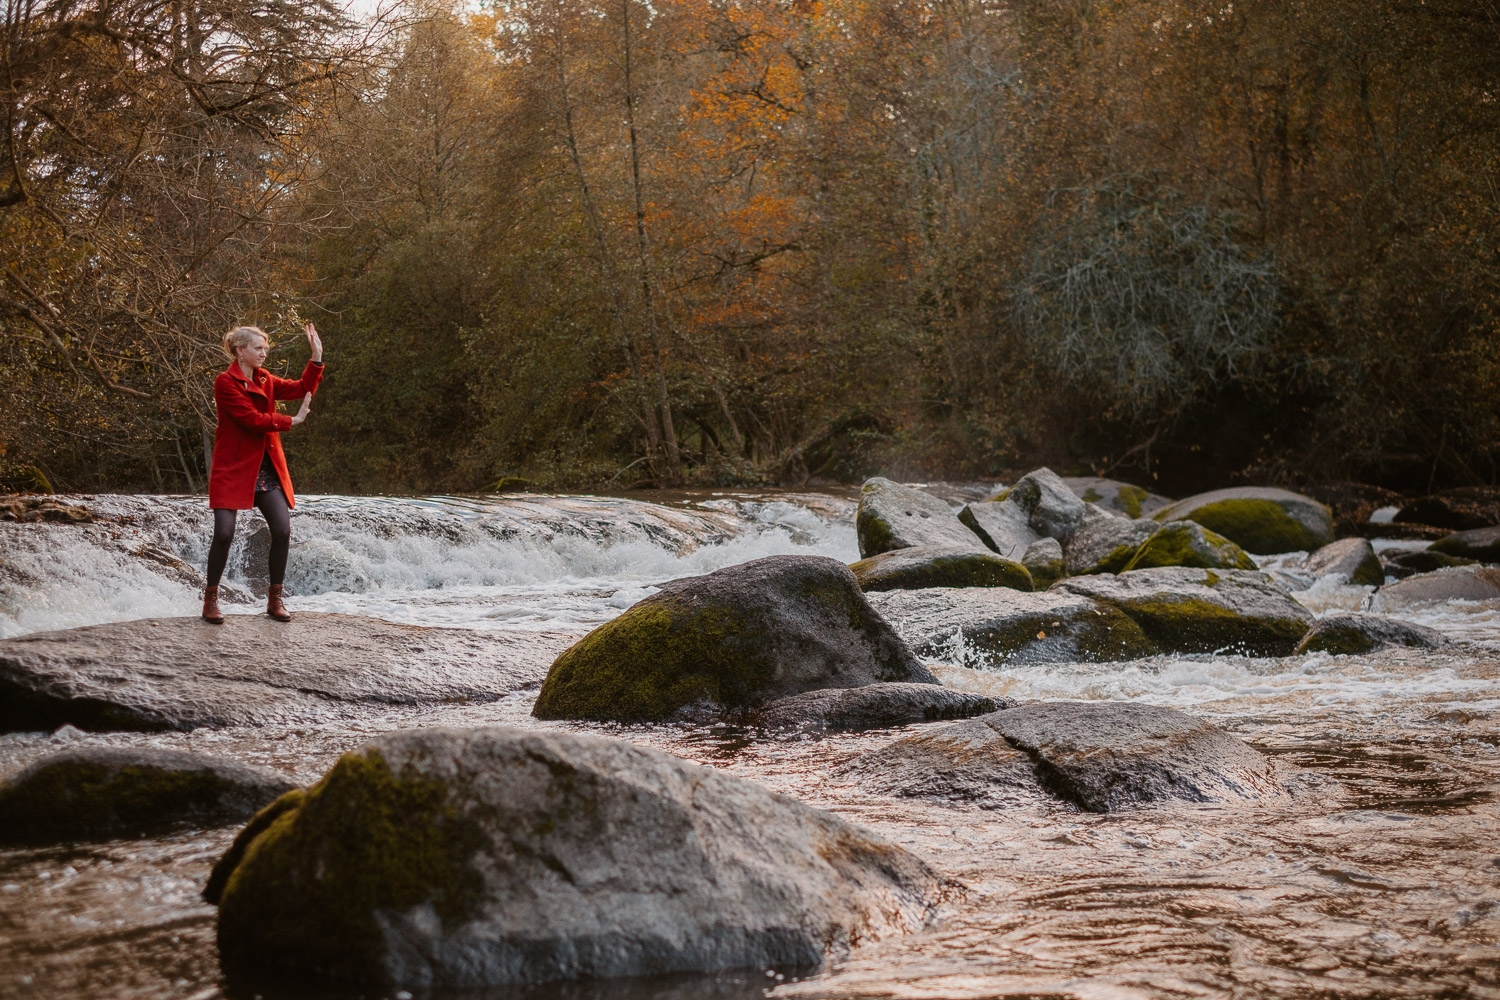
(249, 469)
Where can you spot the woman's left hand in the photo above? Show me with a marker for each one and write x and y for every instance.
(315, 342)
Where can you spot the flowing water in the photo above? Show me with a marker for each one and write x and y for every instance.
(1384, 884)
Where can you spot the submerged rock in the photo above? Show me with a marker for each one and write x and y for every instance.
(1480, 544)
(1347, 635)
(873, 706)
(1097, 757)
(1259, 519)
(1184, 543)
(181, 673)
(1352, 559)
(1186, 610)
(1105, 543)
(1460, 583)
(892, 516)
(988, 628)
(1044, 561)
(1118, 498)
(452, 859)
(99, 792)
(735, 638)
(931, 566)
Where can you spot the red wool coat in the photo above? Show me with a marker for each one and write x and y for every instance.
(248, 426)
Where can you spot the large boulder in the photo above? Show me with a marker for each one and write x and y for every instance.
(1052, 509)
(1352, 560)
(100, 792)
(461, 859)
(1097, 757)
(1185, 610)
(932, 566)
(1348, 635)
(1001, 526)
(1259, 519)
(1120, 499)
(892, 516)
(1479, 544)
(1460, 583)
(990, 628)
(1104, 543)
(1185, 543)
(181, 673)
(1045, 562)
(732, 639)
(873, 706)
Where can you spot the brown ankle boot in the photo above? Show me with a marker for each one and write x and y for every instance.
(211, 612)
(274, 607)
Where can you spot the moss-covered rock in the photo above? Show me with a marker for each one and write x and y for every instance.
(893, 516)
(1352, 560)
(1405, 564)
(933, 566)
(731, 639)
(1120, 499)
(101, 792)
(1351, 635)
(1183, 543)
(1262, 520)
(453, 859)
(1480, 544)
(1044, 561)
(1186, 610)
(1105, 543)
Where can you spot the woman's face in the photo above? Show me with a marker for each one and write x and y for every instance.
(253, 355)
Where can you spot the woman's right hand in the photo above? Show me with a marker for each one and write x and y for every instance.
(302, 410)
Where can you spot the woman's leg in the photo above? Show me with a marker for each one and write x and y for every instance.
(218, 550)
(272, 504)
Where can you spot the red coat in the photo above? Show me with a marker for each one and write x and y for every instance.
(248, 426)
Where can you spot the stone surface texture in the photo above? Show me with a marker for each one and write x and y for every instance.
(872, 706)
(1479, 544)
(1002, 526)
(1459, 583)
(1186, 543)
(1120, 499)
(1105, 543)
(1262, 520)
(933, 566)
(893, 516)
(1353, 559)
(1352, 634)
(1045, 562)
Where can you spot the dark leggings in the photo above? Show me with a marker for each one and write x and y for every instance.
(272, 504)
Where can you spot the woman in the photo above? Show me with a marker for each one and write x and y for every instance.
(248, 465)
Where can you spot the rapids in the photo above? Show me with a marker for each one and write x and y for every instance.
(1385, 884)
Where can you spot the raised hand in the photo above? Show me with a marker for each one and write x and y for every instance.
(306, 406)
(314, 341)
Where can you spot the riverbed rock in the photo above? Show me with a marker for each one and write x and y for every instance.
(461, 859)
(1348, 635)
(1462, 509)
(93, 793)
(1186, 543)
(1460, 583)
(1185, 610)
(1052, 510)
(1404, 564)
(1097, 757)
(934, 566)
(181, 673)
(986, 628)
(731, 639)
(1045, 562)
(1104, 543)
(873, 706)
(1001, 526)
(1479, 544)
(34, 509)
(1120, 499)
(893, 516)
(1351, 559)
(1262, 520)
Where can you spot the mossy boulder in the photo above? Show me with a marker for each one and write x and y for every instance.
(449, 859)
(892, 516)
(934, 566)
(1095, 757)
(989, 628)
(1460, 583)
(93, 793)
(1184, 543)
(1120, 499)
(1185, 610)
(1104, 543)
(732, 639)
(1480, 544)
(1352, 560)
(1044, 561)
(873, 706)
(1262, 520)
(1351, 635)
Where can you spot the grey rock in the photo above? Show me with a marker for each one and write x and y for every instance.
(1052, 509)
(732, 639)
(181, 673)
(1000, 525)
(1352, 559)
(1346, 635)
(1185, 543)
(1044, 561)
(1479, 544)
(982, 628)
(873, 706)
(1405, 564)
(92, 793)
(933, 566)
(1104, 543)
(460, 859)
(1121, 499)
(1263, 520)
(1201, 610)
(1460, 583)
(892, 516)
(966, 763)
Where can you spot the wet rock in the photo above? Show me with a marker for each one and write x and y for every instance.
(1455, 510)
(988, 628)
(1121, 499)
(892, 516)
(1460, 583)
(1105, 543)
(1001, 526)
(181, 673)
(1044, 561)
(932, 566)
(101, 792)
(1352, 505)
(1405, 564)
(1097, 757)
(1185, 543)
(873, 706)
(1185, 610)
(1479, 544)
(35, 509)
(732, 639)
(1262, 520)
(1347, 635)
(451, 859)
(1052, 510)
(1352, 559)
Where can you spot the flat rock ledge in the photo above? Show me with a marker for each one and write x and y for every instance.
(874, 706)
(445, 858)
(1092, 756)
(181, 673)
(93, 793)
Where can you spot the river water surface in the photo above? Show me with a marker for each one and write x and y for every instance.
(1386, 883)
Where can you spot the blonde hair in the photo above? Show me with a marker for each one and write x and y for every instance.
(240, 337)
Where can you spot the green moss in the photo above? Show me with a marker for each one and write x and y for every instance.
(1257, 525)
(363, 841)
(977, 569)
(1131, 497)
(1179, 543)
(1092, 495)
(874, 533)
(1116, 561)
(1044, 573)
(1103, 637)
(1190, 625)
(1338, 641)
(1456, 550)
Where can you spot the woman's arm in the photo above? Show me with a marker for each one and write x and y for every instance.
(285, 388)
(234, 404)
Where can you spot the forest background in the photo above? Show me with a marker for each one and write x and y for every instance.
(740, 242)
